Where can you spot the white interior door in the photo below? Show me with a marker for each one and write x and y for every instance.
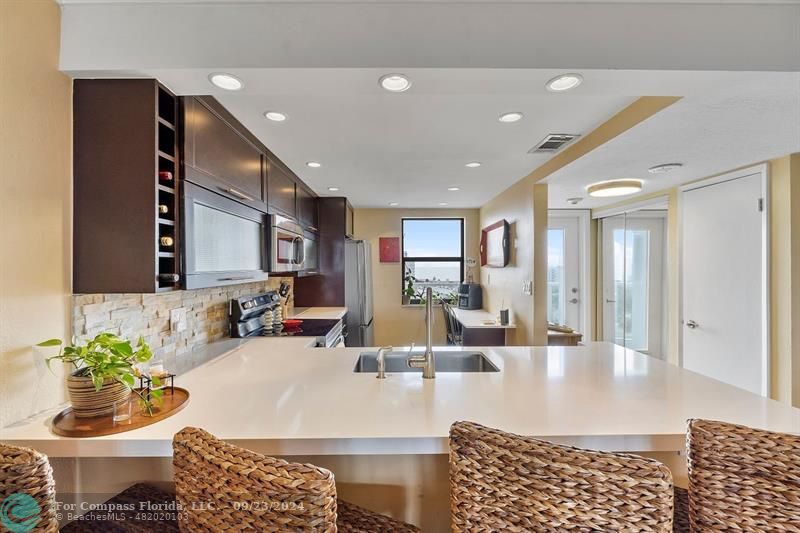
(723, 333)
(564, 287)
(633, 281)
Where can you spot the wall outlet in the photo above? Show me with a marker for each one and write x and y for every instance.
(177, 320)
(527, 288)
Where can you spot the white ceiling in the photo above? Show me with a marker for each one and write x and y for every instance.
(66, 2)
(319, 62)
(752, 119)
(379, 147)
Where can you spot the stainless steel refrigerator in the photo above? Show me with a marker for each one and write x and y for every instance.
(358, 293)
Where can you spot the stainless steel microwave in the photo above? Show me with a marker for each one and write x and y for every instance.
(287, 252)
(225, 242)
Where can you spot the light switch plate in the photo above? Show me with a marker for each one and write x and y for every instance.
(527, 288)
(177, 320)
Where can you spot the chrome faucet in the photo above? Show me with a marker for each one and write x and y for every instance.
(382, 361)
(426, 361)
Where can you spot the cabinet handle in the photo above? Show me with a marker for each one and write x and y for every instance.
(240, 194)
(236, 278)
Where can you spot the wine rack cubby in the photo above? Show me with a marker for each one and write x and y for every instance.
(127, 175)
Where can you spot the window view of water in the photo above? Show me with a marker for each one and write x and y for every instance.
(433, 256)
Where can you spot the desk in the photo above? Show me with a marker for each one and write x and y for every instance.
(561, 338)
(481, 328)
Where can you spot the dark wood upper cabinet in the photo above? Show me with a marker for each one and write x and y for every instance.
(218, 156)
(126, 187)
(307, 208)
(282, 189)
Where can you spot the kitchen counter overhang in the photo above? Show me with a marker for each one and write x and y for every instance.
(281, 397)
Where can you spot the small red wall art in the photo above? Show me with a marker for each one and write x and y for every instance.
(389, 249)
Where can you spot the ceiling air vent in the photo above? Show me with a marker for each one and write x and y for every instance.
(553, 143)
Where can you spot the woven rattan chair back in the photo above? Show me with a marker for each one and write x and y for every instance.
(27, 490)
(742, 479)
(505, 482)
(222, 487)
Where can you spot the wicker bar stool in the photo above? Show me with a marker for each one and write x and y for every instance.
(742, 479)
(224, 487)
(26, 481)
(505, 482)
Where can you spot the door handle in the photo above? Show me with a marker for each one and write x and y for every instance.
(573, 301)
(610, 301)
(240, 194)
(692, 324)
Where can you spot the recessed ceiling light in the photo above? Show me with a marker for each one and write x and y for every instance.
(333, 189)
(395, 83)
(564, 82)
(442, 203)
(229, 82)
(313, 164)
(666, 167)
(275, 116)
(473, 164)
(605, 189)
(453, 189)
(513, 116)
(393, 204)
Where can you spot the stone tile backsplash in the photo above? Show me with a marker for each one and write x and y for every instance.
(147, 315)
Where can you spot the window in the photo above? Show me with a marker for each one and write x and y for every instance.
(555, 276)
(433, 256)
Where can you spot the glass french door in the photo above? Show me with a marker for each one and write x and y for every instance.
(632, 291)
(564, 291)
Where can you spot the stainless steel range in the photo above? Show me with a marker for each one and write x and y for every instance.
(259, 316)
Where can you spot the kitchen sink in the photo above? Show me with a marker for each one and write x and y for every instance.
(445, 362)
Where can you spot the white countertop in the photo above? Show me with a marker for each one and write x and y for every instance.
(479, 318)
(333, 313)
(280, 397)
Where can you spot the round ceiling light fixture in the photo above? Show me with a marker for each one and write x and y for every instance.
(395, 83)
(229, 82)
(605, 189)
(313, 164)
(666, 167)
(454, 189)
(275, 116)
(564, 82)
(393, 204)
(473, 164)
(442, 204)
(333, 189)
(512, 116)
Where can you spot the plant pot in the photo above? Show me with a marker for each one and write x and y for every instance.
(88, 402)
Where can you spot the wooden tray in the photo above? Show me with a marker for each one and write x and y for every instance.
(66, 425)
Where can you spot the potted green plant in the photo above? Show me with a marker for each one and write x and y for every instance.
(104, 373)
(409, 294)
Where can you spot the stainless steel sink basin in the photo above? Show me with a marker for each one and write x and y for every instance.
(445, 362)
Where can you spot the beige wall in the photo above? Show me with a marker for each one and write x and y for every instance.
(396, 324)
(785, 278)
(35, 154)
(524, 207)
